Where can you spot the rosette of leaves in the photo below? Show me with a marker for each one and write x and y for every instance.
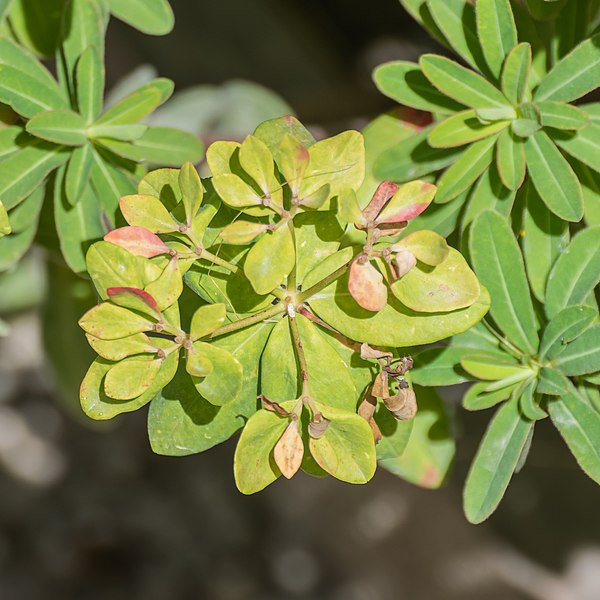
(36, 24)
(200, 319)
(509, 113)
(535, 360)
(64, 146)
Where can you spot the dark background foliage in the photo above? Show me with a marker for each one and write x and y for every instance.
(88, 512)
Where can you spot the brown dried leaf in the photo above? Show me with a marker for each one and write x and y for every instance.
(367, 407)
(366, 352)
(289, 451)
(377, 435)
(274, 407)
(381, 388)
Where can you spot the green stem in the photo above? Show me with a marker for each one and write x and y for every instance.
(321, 285)
(300, 355)
(292, 283)
(263, 315)
(503, 341)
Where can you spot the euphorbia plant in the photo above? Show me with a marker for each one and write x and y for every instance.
(253, 300)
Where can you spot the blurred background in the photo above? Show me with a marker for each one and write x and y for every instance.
(87, 512)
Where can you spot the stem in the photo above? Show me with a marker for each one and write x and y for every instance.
(301, 357)
(504, 342)
(340, 337)
(221, 262)
(263, 315)
(292, 284)
(315, 289)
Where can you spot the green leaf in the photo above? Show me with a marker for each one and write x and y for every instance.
(83, 28)
(257, 161)
(346, 450)
(457, 20)
(579, 425)
(167, 288)
(478, 397)
(270, 260)
(110, 265)
(159, 145)
(35, 23)
(552, 382)
(330, 380)
(77, 226)
(510, 160)
(499, 265)
(581, 356)
(148, 212)
(584, 145)
(490, 366)
(191, 190)
(429, 454)
(461, 84)
(78, 172)
(153, 17)
(90, 84)
(181, 422)
(488, 192)
(131, 377)
(5, 227)
(545, 237)
(553, 177)
(131, 109)
(206, 319)
(14, 55)
(439, 366)
(563, 328)
(405, 83)
(338, 161)
(495, 462)
(235, 192)
(463, 128)
(419, 11)
(110, 184)
(413, 158)
(225, 381)
(529, 404)
(24, 171)
(574, 76)
(562, 116)
(465, 171)
(115, 350)
(59, 126)
(271, 132)
(395, 325)
(427, 247)
(110, 322)
(27, 95)
(396, 434)
(28, 211)
(497, 32)
(13, 247)
(516, 73)
(253, 463)
(448, 286)
(97, 405)
(576, 272)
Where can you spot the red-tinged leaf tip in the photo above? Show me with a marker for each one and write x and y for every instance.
(366, 286)
(406, 213)
(137, 240)
(384, 192)
(417, 119)
(116, 293)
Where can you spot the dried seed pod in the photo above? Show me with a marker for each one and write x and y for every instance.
(289, 450)
(318, 427)
(405, 260)
(402, 405)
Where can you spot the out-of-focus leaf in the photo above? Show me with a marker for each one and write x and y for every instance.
(153, 17)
